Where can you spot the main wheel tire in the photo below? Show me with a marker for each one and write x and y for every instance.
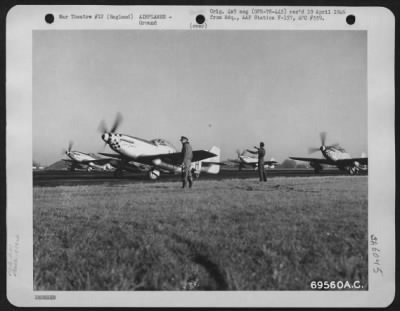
(154, 174)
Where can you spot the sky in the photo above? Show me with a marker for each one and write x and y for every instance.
(231, 89)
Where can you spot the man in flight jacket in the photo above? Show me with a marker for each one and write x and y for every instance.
(187, 156)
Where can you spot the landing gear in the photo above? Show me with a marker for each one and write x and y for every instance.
(353, 171)
(154, 174)
(316, 166)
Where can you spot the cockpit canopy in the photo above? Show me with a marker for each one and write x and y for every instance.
(162, 142)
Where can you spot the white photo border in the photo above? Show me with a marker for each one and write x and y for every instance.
(21, 21)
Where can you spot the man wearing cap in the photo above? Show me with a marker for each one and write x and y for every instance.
(187, 156)
(261, 154)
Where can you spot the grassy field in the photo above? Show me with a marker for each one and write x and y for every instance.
(220, 235)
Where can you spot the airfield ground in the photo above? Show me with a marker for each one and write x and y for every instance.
(232, 234)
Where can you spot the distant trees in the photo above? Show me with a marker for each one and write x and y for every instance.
(288, 163)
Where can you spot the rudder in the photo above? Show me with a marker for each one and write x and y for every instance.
(212, 165)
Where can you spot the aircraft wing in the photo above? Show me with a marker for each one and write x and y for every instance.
(113, 155)
(174, 158)
(316, 160)
(270, 162)
(362, 161)
(170, 158)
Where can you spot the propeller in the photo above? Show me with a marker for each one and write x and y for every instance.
(70, 144)
(312, 150)
(322, 137)
(117, 122)
(103, 127)
(240, 153)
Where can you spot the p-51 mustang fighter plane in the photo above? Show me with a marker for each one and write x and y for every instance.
(248, 161)
(334, 155)
(80, 160)
(154, 156)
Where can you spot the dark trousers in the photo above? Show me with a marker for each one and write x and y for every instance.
(187, 174)
(261, 172)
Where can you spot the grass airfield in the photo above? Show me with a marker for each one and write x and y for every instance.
(230, 234)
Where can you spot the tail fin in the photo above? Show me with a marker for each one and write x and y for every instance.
(272, 163)
(212, 165)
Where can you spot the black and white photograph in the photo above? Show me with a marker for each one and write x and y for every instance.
(205, 160)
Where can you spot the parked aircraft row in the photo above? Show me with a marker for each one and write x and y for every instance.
(131, 153)
(244, 161)
(158, 156)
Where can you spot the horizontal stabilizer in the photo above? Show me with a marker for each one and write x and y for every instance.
(212, 165)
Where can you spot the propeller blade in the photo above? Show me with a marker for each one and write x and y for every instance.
(102, 127)
(312, 150)
(70, 144)
(322, 135)
(117, 123)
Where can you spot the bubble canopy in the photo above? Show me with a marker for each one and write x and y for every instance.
(162, 142)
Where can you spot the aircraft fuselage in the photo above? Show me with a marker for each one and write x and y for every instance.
(333, 155)
(133, 147)
(82, 158)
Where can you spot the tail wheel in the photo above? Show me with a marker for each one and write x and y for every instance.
(195, 174)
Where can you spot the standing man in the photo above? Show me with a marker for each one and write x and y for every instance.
(187, 156)
(261, 154)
